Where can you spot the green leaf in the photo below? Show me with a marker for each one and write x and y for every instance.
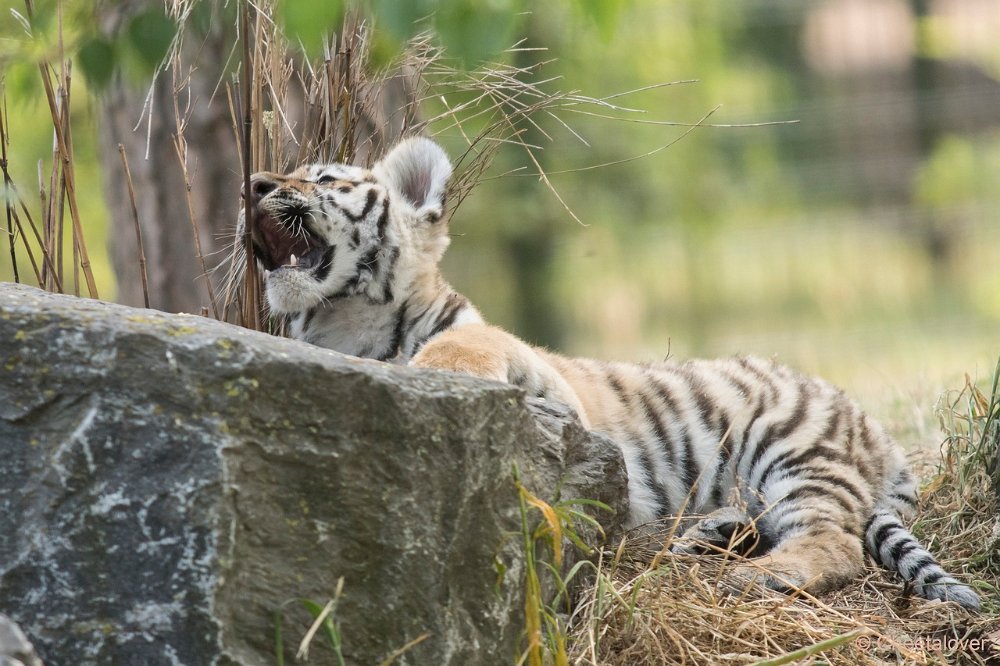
(43, 16)
(403, 19)
(604, 14)
(473, 32)
(329, 628)
(150, 34)
(201, 16)
(97, 60)
(23, 83)
(309, 22)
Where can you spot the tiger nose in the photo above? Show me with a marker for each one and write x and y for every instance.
(261, 184)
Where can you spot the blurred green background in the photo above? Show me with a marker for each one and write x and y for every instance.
(860, 242)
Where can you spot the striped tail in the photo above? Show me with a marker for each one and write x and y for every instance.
(896, 549)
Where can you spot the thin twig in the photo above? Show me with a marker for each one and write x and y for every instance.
(180, 146)
(67, 166)
(8, 184)
(138, 230)
(251, 304)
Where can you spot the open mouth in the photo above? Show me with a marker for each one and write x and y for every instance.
(286, 243)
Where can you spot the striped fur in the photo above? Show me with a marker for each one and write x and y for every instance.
(370, 236)
(741, 441)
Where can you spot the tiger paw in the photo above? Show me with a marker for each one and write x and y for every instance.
(728, 528)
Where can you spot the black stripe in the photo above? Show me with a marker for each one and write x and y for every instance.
(838, 481)
(448, 314)
(397, 334)
(310, 313)
(866, 436)
(776, 433)
(717, 477)
(662, 439)
(761, 376)
(902, 548)
(647, 463)
(370, 200)
(325, 264)
(912, 570)
(933, 577)
(690, 468)
(617, 386)
(705, 405)
(810, 489)
(737, 383)
(789, 460)
(387, 273)
(383, 219)
(780, 462)
(883, 533)
(743, 441)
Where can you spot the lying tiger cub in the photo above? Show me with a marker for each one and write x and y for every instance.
(351, 259)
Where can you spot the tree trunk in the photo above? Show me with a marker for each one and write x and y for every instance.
(175, 274)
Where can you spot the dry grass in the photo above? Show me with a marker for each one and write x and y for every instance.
(649, 606)
(43, 235)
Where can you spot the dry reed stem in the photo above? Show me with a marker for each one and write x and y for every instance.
(141, 254)
(64, 92)
(8, 184)
(66, 157)
(63, 165)
(20, 230)
(251, 313)
(180, 147)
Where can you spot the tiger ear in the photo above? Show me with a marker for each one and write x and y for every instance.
(418, 170)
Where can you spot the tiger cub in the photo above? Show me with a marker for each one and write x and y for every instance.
(351, 260)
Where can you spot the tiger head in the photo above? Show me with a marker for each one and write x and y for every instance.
(328, 231)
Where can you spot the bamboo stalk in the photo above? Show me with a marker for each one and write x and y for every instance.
(138, 230)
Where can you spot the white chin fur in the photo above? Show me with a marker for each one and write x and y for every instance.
(290, 291)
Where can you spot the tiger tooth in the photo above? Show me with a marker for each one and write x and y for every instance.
(267, 273)
(292, 261)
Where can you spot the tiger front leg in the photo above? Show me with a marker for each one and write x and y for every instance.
(824, 560)
(492, 353)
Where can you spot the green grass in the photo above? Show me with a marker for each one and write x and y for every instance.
(543, 551)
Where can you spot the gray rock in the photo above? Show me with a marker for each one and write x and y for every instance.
(15, 650)
(168, 482)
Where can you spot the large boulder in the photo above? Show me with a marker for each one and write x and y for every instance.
(168, 484)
